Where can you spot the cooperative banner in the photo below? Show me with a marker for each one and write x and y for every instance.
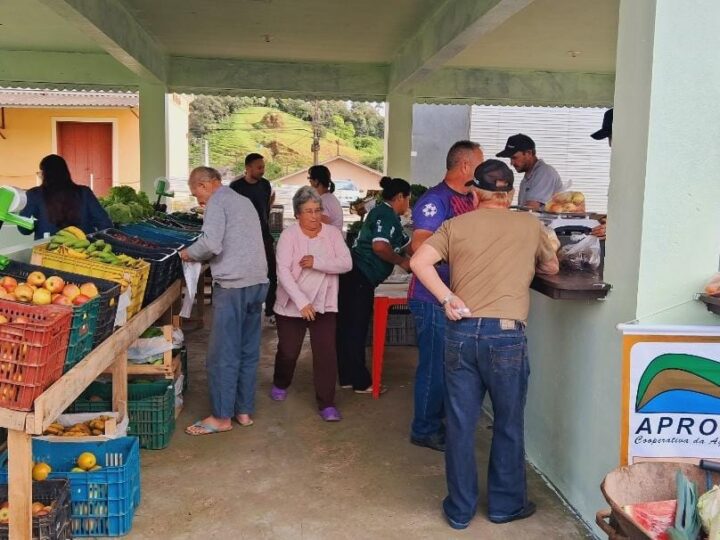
(671, 397)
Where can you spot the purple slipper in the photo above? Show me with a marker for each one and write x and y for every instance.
(277, 394)
(330, 414)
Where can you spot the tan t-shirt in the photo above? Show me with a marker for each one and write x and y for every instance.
(492, 255)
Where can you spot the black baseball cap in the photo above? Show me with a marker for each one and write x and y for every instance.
(606, 130)
(493, 175)
(516, 143)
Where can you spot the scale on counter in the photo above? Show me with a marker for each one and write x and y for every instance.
(162, 189)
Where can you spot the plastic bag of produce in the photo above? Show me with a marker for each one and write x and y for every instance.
(566, 202)
(147, 350)
(709, 509)
(713, 286)
(582, 254)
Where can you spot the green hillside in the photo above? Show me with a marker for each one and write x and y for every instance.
(283, 139)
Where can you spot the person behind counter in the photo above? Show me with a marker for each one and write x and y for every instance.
(310, 256)
(605, 132)
(450, 198)
(541, 181)
(319, 177)
(493, 254)
(376, 251)
(58, 202)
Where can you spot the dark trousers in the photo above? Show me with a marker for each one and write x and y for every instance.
(269, 244)
(355, 306)
(481, 357)
(291, 333)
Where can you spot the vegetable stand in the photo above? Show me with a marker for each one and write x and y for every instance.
(112, 353)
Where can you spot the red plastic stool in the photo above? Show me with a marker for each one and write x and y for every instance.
(381, 308)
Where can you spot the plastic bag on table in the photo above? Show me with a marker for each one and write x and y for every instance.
(178, 338)
(585, 254)
(146, 350)
(712, 287)
(566, 202)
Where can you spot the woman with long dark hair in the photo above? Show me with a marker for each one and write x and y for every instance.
(380, 245)
(59, 202)
(319, 177)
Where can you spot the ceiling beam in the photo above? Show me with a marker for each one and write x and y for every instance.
(456, 25)
(260, 78)
(505, 87)
(63, 70)
(109, 24)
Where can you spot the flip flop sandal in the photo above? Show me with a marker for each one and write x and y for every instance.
(250, 423)
(207, 429)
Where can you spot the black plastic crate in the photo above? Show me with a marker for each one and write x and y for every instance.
(165, 264)
(54, 526)
(400, 327)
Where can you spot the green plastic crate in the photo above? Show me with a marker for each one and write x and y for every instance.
(151, 408)
(82, 332)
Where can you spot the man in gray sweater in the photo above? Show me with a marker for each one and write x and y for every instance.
(232, 242)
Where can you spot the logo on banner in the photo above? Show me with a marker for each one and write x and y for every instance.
(679, 383)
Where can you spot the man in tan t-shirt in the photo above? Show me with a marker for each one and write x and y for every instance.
(493, 255)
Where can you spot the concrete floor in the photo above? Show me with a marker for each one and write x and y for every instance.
(293, 476)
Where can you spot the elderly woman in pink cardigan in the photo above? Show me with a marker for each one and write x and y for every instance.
(310, 256)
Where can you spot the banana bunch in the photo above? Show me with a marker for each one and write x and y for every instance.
(93, 427)
(72, 242)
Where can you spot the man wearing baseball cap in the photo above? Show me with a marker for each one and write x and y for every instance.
(541, 181)
(493, 255)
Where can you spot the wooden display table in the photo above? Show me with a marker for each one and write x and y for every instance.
(111, 353)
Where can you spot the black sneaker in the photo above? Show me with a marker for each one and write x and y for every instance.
(526, 512)
(435, 442)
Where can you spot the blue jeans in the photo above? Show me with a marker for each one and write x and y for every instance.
(234, 349)
(430, 322)
(482, 357)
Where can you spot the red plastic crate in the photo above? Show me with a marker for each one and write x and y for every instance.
(32, 354)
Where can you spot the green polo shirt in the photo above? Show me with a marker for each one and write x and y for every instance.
(381, 224)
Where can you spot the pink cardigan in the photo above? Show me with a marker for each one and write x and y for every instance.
(298, 287)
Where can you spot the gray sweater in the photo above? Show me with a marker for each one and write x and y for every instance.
(231, 241)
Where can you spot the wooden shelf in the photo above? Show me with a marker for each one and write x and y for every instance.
(571, 286)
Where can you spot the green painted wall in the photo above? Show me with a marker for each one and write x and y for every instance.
(153, 137)
(398, 136)
(663, 240)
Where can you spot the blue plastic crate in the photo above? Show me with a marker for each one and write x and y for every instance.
(104, 501)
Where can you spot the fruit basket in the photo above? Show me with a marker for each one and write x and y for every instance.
(83, 328)
(33, 345)
(151, 408)
(55, 525)
(103, 502)
(135, 278)
(165, 265)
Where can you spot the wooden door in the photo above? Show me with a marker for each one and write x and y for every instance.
(87, 148)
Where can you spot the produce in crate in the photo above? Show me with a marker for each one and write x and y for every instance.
(125, 205)
(38, 509)
(41, 291)
(78, 246)
(567, 202)
(96, 427)
(40, 471)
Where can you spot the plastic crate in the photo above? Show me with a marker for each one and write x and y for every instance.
(103, 502)
(400, 328)
(165, 265)
(151, 408)
(135, 240)
(276, 218)
(32, 354)
(136, 277)
(154, 235)
(54, 526)
(162, 232)
(84, 321)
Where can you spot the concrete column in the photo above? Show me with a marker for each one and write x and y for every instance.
(664, 196)
(398, 136)
(153, 135)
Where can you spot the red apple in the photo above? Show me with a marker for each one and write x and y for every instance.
(55, 284)
(8, 283)
(61, 300)
(36, 278)
(89, 290)
(71, 291)
(24, 293)
(80, 299)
